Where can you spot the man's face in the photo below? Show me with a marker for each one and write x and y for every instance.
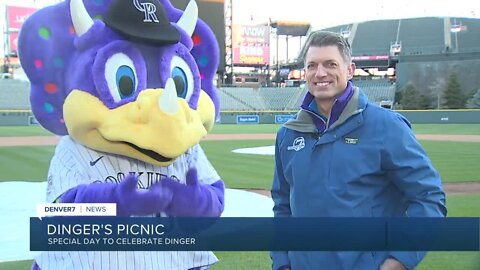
(326, 72)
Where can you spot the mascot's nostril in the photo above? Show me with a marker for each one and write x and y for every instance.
(142, 110)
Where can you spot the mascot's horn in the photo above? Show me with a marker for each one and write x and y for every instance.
(189, 18)
(82, 21)
(80, 18)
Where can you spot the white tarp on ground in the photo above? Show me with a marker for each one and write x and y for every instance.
(262, 150)
(18, 203)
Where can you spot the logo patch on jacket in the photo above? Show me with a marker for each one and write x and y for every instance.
(298, 144)
(350, 140)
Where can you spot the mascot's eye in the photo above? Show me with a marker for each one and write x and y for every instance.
(180, 80)
(121, 76)
(125, 81)
(182, 76)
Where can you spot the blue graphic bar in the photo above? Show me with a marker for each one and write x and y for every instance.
(254, 234)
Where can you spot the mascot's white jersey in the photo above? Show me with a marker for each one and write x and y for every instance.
(74, 164)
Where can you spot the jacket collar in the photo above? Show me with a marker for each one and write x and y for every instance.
(351, 102)
(322, 122)
(340, 102)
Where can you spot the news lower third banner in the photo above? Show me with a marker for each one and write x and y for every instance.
(253, 234)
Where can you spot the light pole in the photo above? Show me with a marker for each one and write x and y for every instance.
(277, 74)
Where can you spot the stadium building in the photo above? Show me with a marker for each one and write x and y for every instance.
(261, 71)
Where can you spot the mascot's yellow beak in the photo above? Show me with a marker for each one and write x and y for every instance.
(155, 128)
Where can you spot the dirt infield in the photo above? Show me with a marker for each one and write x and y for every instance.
(29, 141)
(450, 188)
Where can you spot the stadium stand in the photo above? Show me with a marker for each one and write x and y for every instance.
(466, 41)
(418, 36)
(229, 103)
(280, 98)
(262, 99)
(368, 42)
(14, 94)
(300, 98)
(246, 96)
(377, 91)
(422, 36)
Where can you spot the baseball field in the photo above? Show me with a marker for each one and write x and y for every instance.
(25, 153)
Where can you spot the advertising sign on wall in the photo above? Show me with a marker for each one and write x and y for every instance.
(283, 118)
(251, 45)
(248, 119)
(16, 16)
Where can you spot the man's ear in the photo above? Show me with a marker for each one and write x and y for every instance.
(351, 70)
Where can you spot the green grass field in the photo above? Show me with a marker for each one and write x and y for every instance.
(8, 131)
(451, 129)
(456, 162)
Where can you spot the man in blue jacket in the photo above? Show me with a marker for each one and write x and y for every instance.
(345, 157)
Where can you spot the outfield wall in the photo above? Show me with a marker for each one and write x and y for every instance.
(25, 117)
(416, 117)
(442, 116)
(17, 118)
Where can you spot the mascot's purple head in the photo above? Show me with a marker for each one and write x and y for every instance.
(129, 77)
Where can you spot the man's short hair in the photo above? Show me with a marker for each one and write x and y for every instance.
(327, 38)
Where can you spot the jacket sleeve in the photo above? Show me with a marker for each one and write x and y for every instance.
(410, 169)
(281, 199)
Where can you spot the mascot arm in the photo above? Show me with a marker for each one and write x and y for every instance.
(194, 199)
(129, 199)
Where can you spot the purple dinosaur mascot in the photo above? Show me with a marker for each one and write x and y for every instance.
(128, 84)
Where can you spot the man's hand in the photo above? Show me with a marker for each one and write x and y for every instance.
(392, 264)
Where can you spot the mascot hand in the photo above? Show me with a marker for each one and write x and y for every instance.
(194, 199)
(129, 199)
